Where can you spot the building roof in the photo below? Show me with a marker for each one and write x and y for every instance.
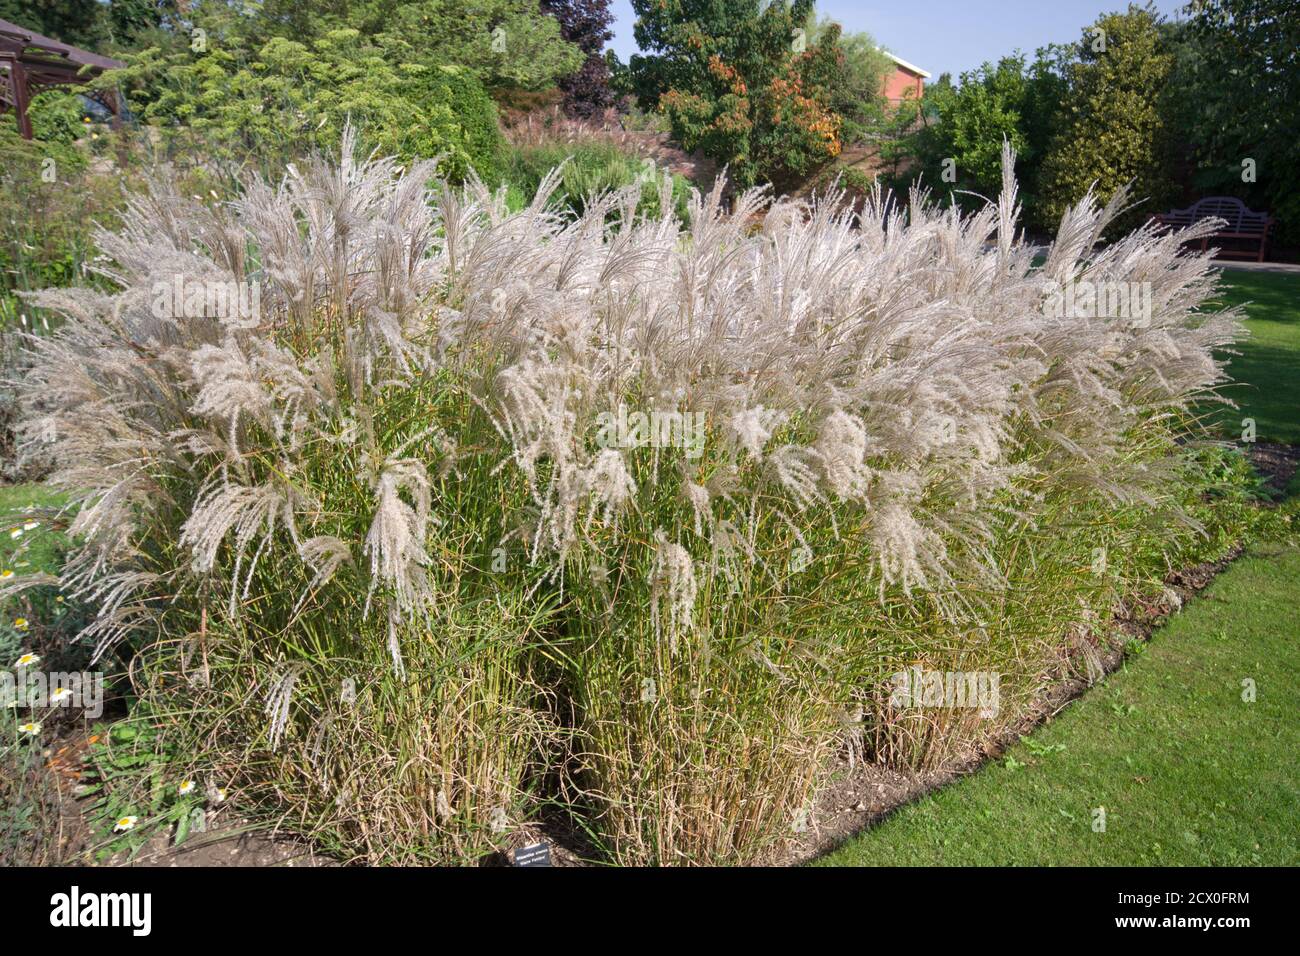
(910, 67)
(28, 43)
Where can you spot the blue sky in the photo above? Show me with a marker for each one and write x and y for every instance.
(944, 35)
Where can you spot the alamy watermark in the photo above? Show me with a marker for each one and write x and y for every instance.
(202, 298)
(975, 690)
(31, 688)
(74, 908)
(1099, 300)
(654, 429)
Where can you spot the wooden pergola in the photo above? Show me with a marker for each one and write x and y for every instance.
(29, 61)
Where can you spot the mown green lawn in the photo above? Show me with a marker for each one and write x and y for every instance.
(1267, 372)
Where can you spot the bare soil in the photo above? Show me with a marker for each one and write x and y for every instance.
(229, 843)
(1276, 463)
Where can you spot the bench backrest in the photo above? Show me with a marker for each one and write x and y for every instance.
(1239, 218)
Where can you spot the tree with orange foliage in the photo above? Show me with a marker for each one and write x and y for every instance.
(740, 81)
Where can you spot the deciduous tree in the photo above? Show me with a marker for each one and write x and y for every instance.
(739, 80)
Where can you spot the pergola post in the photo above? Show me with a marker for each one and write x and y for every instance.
(22, 97)
(115, 108)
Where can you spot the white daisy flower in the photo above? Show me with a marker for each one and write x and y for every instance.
(125, 823)
(27, 660)
(60, 695)
(15, 532)
(29, 525)
(31, 728)
(186, 787)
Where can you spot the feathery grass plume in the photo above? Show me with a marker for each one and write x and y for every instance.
(278, 700)
(672, 580)
(324, 554)
(397, 534)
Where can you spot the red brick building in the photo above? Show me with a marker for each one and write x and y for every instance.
(906, 81)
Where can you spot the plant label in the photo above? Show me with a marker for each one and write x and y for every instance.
(539, 854)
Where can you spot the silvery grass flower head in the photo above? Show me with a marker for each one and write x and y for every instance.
(673, 590)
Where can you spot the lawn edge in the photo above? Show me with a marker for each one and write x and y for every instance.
(1136, 616)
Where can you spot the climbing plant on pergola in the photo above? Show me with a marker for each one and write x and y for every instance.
(30, 62)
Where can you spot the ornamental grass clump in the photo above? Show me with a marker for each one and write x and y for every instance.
(479, 507)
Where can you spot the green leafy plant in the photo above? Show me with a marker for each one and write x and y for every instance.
(267, 106)
(957, 147)
(131, 791)
(1231, 57)
(854, 69)
(588, 170)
